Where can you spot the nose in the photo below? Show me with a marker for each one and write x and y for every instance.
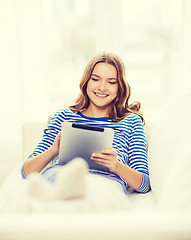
(102, 86)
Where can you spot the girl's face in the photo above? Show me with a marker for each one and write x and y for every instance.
(103, 86)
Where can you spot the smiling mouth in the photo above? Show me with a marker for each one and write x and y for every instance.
(101, 95)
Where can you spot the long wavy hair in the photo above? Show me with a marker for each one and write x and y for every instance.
(120, 107)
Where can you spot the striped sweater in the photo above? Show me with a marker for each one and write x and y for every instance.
(129, 141)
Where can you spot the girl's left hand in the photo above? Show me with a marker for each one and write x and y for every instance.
(106, 157)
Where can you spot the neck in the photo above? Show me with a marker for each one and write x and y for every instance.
(96, 113)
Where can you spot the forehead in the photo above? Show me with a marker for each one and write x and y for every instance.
(105, 69)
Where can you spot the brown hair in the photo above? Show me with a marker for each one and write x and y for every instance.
(120, 107)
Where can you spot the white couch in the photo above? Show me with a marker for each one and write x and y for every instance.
(163, 213)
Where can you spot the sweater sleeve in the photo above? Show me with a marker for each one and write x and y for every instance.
(50, 133)
(138, 153)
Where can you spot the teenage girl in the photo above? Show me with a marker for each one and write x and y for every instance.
(103, 101)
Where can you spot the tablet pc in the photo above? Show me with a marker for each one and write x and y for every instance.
(81, 140)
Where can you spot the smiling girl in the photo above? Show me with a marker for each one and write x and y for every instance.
(103, 101)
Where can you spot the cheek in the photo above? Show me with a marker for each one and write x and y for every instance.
(89, 89)
(115, 91)
(90, 86)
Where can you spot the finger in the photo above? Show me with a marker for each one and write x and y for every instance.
(99, 156)
(108, 151)
(105, 164)
(102, 162)
(105, 151)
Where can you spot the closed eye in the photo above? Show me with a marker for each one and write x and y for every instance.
(112, 82)
(94, 79)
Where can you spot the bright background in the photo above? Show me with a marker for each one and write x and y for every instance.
(45, 45)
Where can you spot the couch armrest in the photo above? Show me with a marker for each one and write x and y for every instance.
(31, 135)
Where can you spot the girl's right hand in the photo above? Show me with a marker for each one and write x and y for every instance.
(56, 145)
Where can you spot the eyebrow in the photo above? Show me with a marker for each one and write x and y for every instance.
(100, 77)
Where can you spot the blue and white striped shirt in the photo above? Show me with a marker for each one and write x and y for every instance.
(129, 141)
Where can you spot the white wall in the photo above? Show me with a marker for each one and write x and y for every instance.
(22, 79)
(186, 44)
(10, 83)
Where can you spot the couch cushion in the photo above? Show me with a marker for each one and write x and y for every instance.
(165, 141)
(176, 193)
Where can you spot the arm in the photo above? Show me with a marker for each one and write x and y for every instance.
(38, 163)
(46, 149)
(135, 172)
(108, 158)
